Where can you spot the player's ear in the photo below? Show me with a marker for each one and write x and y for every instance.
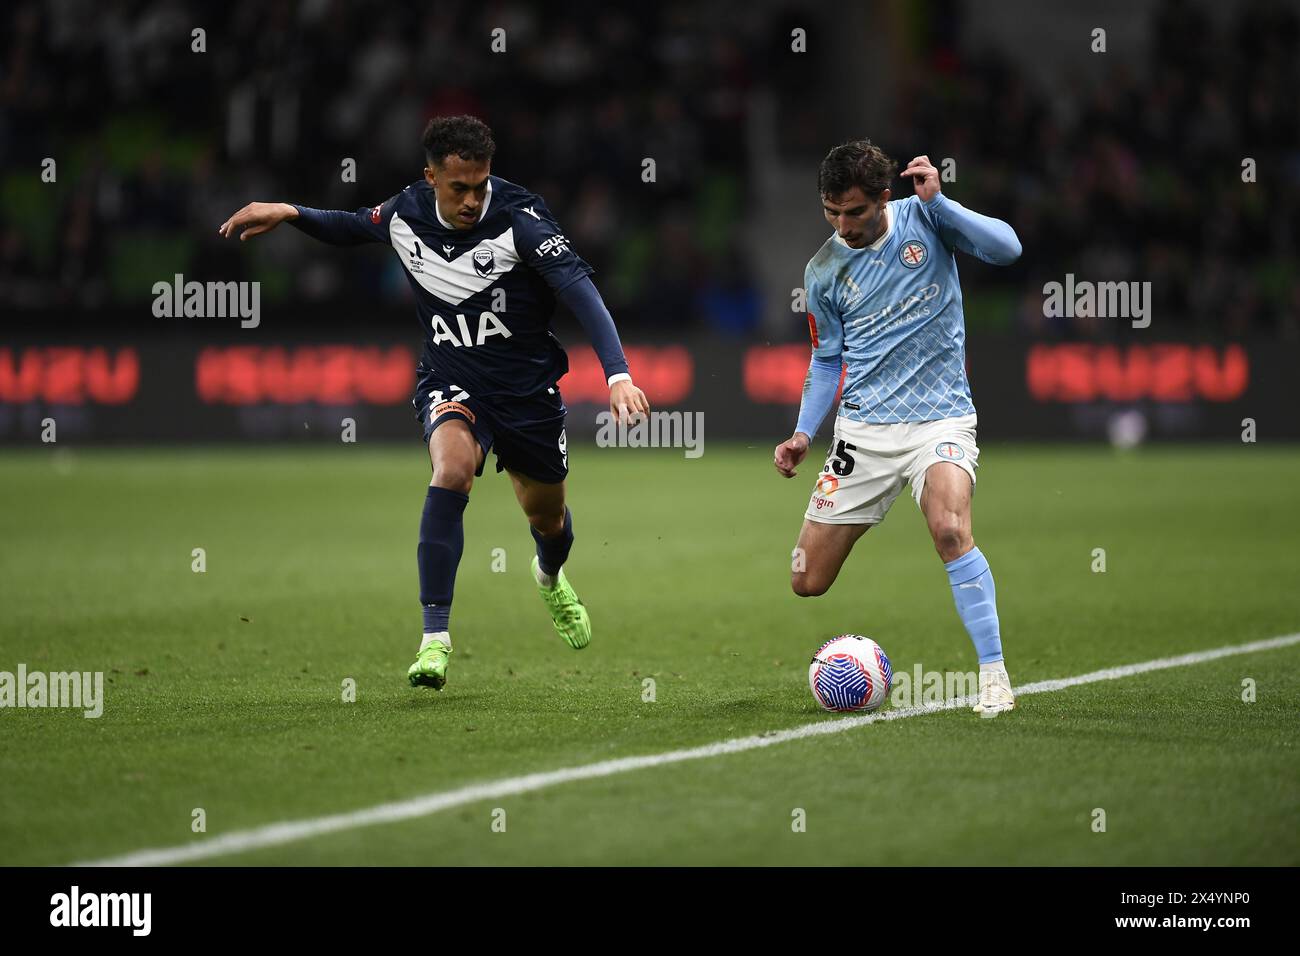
(884, 195)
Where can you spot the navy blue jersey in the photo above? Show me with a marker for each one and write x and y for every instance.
(484, 295)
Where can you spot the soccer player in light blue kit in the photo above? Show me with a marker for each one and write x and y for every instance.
(884, 300)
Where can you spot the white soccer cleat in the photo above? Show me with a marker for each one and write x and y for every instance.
(995, 693)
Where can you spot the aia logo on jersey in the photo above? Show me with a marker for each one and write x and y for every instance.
(483, 262)
(949, 450)
(374, 214)
(913, 254)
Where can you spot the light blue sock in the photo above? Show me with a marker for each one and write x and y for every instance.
(977, 603)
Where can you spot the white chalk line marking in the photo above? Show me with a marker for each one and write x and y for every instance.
(278, 834)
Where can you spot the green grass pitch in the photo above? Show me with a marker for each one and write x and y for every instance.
(225, 687)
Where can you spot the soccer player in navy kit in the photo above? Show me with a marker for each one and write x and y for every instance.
(486, 261)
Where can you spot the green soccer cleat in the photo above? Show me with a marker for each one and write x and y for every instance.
(430, 667)
(567, 613)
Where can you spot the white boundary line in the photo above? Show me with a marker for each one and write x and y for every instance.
(278, 834)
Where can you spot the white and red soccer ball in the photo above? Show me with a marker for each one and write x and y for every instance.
(850, 673)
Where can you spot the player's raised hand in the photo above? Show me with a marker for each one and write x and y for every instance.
(257, 218)
(789, 453)
(626, 400)
(925, 176)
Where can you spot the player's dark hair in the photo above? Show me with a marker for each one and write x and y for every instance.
(857, 163)
(465, 136)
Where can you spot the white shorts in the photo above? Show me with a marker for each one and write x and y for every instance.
(868, 465)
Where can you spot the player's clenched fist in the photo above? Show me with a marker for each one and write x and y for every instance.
(925, 176)
(257, 218)
(789, 453)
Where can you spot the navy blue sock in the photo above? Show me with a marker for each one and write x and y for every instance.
(442, 539)
(553, 552)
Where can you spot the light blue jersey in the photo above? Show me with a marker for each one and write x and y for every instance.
(893, 311)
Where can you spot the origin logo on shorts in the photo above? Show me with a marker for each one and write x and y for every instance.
(913, 254)
(949, 450)
(822, 491)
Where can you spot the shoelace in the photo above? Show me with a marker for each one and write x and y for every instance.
(571, 613)
(995, 688)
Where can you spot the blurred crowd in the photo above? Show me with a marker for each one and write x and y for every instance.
(156, 144)
(1141, 179)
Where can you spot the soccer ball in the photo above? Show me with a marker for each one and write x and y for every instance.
(850, 673)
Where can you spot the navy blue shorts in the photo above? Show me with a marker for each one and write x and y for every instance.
(527, 433)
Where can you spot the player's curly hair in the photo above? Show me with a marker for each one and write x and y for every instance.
(466, 136)
(857, 163)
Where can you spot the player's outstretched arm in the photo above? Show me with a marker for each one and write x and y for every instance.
(584, 301)
(335, 226)
(984, 237)
(257, 218)
(818, 396)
